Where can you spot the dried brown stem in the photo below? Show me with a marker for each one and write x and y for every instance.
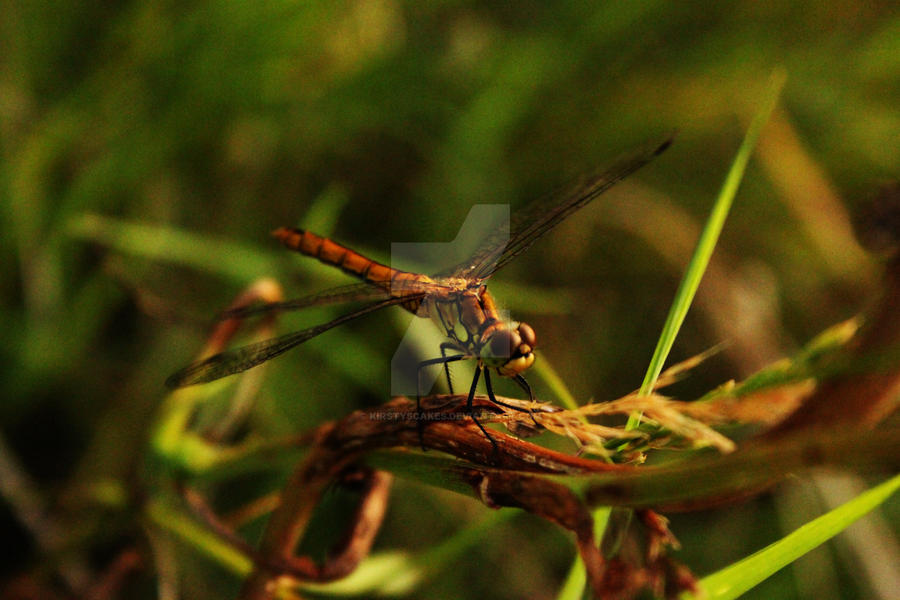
(505, 483)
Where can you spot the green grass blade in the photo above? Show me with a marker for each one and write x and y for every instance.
(573, 587)
(696, 267)
(545, 371)
(382, 574)
(229, 260)
(714, 478)
(393, 574)
(576, 580)
(736, 579)
(710, 236)
(167, 517)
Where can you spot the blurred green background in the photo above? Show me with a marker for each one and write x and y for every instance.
(149, 148)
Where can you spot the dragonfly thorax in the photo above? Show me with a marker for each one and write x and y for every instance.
(474, 326)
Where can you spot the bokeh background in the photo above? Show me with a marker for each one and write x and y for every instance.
(148, 149)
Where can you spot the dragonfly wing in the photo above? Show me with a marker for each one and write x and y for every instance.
(240, 359)
(355, 292)
(536, 219)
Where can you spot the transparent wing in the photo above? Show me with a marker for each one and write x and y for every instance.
(240, 359)
(536, 219)
(355, 292)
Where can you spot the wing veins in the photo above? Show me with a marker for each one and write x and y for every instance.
(355, 292)
(240, 359)
(349, 293)
(536, 219)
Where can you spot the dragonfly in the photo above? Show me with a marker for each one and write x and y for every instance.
(456, 300)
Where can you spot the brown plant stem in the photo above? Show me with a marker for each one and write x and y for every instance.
(505, 483)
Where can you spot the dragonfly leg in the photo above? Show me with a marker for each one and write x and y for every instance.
(444, 347)
(427, 363)
(522, 383)
(471, 411)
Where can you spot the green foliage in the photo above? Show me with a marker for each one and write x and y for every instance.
(149, 149)
(740, 577)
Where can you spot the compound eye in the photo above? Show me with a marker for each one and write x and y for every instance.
(528, 335)
(504, 342)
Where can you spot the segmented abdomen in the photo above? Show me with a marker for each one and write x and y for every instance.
(353, 263)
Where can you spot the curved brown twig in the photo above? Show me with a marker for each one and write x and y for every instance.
(507, 477)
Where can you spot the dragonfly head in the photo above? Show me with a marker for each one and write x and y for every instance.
(511, 349)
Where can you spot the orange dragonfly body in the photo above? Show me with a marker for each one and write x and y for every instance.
(457, 300)
(462, 308)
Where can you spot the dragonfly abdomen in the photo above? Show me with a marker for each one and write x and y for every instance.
(353, 263)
